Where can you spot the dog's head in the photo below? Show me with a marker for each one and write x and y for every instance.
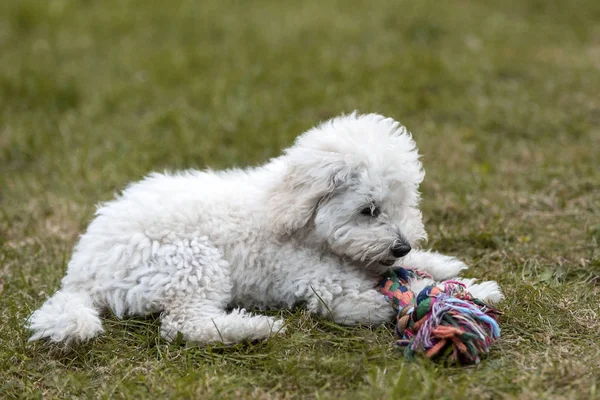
(353, 181)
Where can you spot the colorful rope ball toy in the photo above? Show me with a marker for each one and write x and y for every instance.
(442, 322)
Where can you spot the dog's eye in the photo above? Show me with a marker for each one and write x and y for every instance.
(371, 212)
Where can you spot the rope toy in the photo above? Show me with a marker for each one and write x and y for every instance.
(442, 323)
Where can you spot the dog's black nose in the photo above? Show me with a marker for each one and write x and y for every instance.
(400, 249)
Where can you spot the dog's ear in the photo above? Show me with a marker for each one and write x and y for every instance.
(309, 177)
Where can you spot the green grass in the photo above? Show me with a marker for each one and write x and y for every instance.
(502, 98)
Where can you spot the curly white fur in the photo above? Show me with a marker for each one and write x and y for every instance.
(195, 244)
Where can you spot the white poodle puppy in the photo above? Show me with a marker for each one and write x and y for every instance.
(315, 226)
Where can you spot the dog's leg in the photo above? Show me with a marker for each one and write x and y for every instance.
(439, 266)
(367, 308)
(201, 322)
(442, 267)
(488, 291)
(348, 304)
(195, 299)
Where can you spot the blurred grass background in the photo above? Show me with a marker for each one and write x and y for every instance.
(502, 99)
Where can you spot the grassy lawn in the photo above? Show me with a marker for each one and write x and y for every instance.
(503, 100)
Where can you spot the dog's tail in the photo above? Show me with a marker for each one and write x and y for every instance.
(65, 317)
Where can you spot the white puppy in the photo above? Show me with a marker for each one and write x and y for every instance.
(315, 226)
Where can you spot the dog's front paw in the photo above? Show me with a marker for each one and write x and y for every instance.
(452, 267)
(439, 266)
(488, 291)
(369, 308)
